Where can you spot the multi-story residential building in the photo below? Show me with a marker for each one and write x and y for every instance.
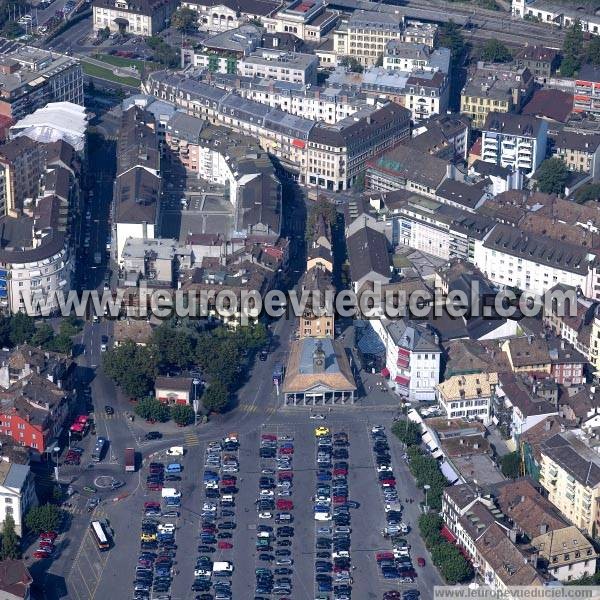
(586, 97)
(498, 88)
(412, 361)
(541, 61)
(528, 354)
(594, 355)
(353, 141)
(556, 14)
(424, 93)
(138, 183)
(139, 17)
(365, 35)
(468, 396)
(435, 228)
(280, 65)
(17, 493)
(316, 320)
(444, 136)
(222, 15)
(409, 56)
(570, 473)
(534, 263)
(32, 77)
(580, 152)
(417, 32)
(329, 156)
(514, 141)
(310, 20)
(330, 104)
(368, 256)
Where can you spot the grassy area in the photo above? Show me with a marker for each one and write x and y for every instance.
(102, 73)
(119, 61)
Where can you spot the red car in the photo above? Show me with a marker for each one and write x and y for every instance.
(384, 556)
(340, 499)
(224, 546)
(41, 554)
(421, 561)
(154, 487)
(340, 472)
(51, 535)
(286, 451)
(228, 481)
(151, 505)
(388, 482)
(285, 476)
(284, 505)
(269, 437)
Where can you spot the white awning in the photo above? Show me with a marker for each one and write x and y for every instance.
(449, 473)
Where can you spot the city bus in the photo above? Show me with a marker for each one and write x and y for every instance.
(98, 449)
(99, 535)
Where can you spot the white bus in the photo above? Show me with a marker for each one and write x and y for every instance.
(99, 534)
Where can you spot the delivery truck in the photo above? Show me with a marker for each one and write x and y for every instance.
(130, 460)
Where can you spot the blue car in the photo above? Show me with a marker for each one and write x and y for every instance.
(324, 475)
(389, 573)
(325, 586)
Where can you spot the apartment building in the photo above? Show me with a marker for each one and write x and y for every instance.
(542, 62)
(445, 136)
(338, 154)
(570, 474)
(280, 65)
(412, 357)
(368, 255)
(409, 56)
(31, 77)
(316, 321)
(494, 87)
(17, 493)
(586, 97)
(217, 16)
(534, 263)
(310, 20)
(515, 141)
(136, 17)
(594, 355)
(365, 35)
(467, 396)
(580, 152)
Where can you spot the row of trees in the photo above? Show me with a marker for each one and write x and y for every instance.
(221, 355)
(155, 410)
(445, 556)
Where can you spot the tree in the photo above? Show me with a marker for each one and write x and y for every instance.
(215, 398)
(175, 346)
(253, 337)
(430, 524)
(11, 545)
(104, 34)
(496, 52)
(61, 343)
(509, 465)
(593, 51)
(43, 336)
(589, 192)
(131, 367)
(353, 64)
(182, 414)
(43, 518)
(552, 176)
(451, 37)
(452, 564)
(152, 410)
(379, 61)
(572, 50)
(185, 19)
(22, 329)
(321, 207)
(12, 29)
(163, 53)
(407, 432)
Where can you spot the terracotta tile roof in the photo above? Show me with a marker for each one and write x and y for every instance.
(557, 544)
(551, 104)
(14, 578)
(541, 432)
(465, 387)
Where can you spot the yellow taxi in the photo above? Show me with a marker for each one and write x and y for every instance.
(320, 431)
(148, 537)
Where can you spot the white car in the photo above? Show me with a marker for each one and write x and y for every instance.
(265, 515)
(283, 493)
(209, 506)
(102, 347)
(324, 530)
(377, 428)
(317, 416)
(175, 451)
(322, 516)
(341, 554)
(166, 528)
(267, 493)
(384, 468)
(284, 484)
(285, 438)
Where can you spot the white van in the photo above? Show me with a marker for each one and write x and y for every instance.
(175, 451)
(170, 493)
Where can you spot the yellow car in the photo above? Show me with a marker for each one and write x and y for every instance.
(148, 537)
(319, 431)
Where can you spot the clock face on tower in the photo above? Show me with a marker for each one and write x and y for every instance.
(319, 362)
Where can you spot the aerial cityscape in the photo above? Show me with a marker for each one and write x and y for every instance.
(299, 299)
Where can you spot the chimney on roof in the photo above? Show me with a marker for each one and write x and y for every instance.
(547, 424)
(512, 534)
(543, 528)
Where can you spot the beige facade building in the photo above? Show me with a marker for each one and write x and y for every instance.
(138, 17)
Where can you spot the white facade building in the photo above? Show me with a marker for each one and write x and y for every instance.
(516, 141)
(556, 15)
(280, 65)
(412, 357)
(17, 493)
(468, 396)
(534, 263)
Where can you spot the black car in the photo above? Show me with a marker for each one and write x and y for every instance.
(172, 478)
(109, 410)
(263, 355)
(153, 435)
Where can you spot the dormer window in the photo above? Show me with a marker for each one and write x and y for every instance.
(121, 4)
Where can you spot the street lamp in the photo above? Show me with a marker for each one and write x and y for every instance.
(56, 450)
(196, 404)
(426, 487)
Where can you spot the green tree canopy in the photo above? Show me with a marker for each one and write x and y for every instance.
(22, 329)
(593, 51)
(509, 465)
(453, 566)
(352, 63)
(572, 50)
(215, 398)
(495, 51)
(588, 192)
(152, 410)
(11, 545)
(175, 346)
(185, 19)
(43, 518)
(132, 368)
(43, 336)
(12, 30)
(407, 432)
(182, 414)
(451, 37)
(552, 176)
(430, 524)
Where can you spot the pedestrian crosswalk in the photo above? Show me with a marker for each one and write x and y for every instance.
(252, 408)
(248, 408)
(191, 439)
(97, 513)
